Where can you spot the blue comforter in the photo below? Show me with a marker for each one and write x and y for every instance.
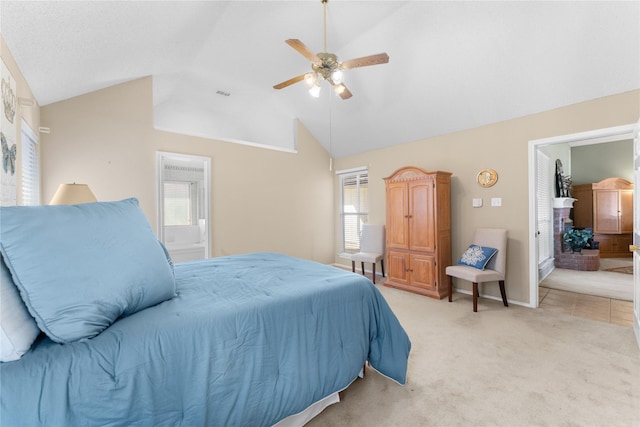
(247, 341)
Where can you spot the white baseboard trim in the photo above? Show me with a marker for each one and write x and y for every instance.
(467, 292)
(636, 329)
(358, 270)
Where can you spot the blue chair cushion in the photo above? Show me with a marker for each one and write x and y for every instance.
(80, 267)
(477, 256)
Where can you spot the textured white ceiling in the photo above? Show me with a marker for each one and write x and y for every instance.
(453, 65)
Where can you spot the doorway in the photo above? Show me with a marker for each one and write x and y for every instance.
(593, 166)
(183, 205)
(591, 137)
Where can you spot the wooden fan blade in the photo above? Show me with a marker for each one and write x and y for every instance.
(302, 49)
(342, 90)
(346, 93)
(289, 82)
(365, 61)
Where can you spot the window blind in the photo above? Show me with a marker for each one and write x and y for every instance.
(30, 167)
(544, 194)
(355, 208)
(177, 203)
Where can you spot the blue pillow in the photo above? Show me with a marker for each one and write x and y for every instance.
(18, 330)
(477, 256)
(81, 267)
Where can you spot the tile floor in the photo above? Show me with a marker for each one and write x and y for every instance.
(587, 306)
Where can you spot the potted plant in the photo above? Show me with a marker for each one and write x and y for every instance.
(576, 238)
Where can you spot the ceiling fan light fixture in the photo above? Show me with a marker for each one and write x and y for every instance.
(325, 66)
(315, 90)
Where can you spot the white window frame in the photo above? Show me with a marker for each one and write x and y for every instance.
(359, 173)
(30, 167)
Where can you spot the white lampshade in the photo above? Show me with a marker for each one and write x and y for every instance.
(337, 77)
(310, 79)
(315, 90)
(72, 194)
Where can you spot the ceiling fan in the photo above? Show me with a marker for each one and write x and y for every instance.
(326, 66)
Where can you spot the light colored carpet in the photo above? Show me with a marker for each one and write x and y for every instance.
(501, 366)
(599, 283)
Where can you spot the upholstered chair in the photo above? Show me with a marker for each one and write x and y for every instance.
(371, 248)
(483, 270)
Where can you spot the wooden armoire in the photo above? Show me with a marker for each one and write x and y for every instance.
(607, 207)
(418, 230)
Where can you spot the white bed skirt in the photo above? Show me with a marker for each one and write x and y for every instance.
(301, 418)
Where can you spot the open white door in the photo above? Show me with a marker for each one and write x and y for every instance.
(636, 232)
(183, 205)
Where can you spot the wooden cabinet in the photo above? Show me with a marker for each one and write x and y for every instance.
(583, 206)
(418, 230)
(614, 245)
(607, 207)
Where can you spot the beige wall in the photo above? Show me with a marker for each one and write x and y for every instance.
(500, 146)
(30, 114)
(262, 200)
(277, 201)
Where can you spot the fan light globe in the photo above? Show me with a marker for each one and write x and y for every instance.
(310, 79)
(337, 77)
(315, 91)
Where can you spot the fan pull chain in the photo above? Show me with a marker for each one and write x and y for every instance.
(330, 136)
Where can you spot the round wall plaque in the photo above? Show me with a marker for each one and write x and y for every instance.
(487, 177)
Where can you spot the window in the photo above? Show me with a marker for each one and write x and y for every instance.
(178, 203)
(30, 167)
(355, 207)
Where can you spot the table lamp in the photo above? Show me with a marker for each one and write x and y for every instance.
(73, 194)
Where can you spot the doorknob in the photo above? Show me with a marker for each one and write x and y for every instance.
(634, 248)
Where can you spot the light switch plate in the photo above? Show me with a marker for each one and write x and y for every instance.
(477, 203)
(496, 201)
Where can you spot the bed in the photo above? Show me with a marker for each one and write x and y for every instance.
(245, 340)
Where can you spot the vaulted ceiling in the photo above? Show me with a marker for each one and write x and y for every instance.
(452, 65)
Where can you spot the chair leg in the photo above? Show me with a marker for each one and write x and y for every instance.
(475, 297)
(353, 266)
(503, 292)
(382, 267)
(362, 266)
(374, 273)
(450, 287)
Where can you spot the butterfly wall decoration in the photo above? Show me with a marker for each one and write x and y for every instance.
(8, 156)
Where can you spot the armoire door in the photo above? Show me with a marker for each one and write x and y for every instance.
(397, 228)
(423, 271)
(606, 211)
(422, 232)
(626, 211)
(398, 267)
